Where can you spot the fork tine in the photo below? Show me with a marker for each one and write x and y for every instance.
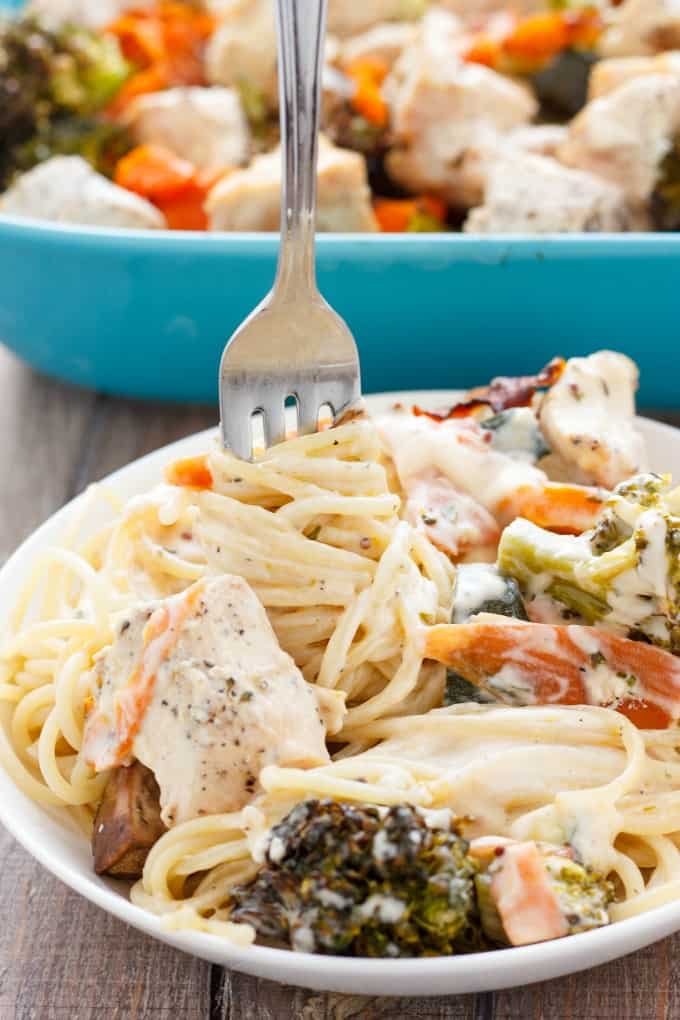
(236, 417)
(274, 411)
(308, 409)
(341, 393)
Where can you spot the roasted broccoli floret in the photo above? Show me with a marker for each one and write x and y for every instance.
(46, 77)
(363, 881)
(624, 573)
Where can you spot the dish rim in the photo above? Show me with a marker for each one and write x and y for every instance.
(266, 242)
(402, 977)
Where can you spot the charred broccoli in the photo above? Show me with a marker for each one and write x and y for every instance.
(624, 573)
(47, 77)
(363, 881)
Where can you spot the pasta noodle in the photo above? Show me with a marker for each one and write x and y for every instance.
(349, 587)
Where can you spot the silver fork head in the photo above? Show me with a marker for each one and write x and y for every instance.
(286, 349)
(293, 344)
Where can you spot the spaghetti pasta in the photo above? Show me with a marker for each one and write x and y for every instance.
(350, 589)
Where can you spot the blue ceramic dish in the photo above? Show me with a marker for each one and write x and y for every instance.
(147, 314)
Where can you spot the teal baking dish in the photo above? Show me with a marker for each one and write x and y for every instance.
(147, 314)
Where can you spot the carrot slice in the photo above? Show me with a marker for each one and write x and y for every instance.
(368, 75)
(190, 473)
(566, 509)
(536, 663)
(154, 172)
(395, 215)
(525, 900)
(538, 37)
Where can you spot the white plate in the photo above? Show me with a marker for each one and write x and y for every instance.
(50, 838)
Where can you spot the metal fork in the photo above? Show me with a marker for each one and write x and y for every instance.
(293, 344)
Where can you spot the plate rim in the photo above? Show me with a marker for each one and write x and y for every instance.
(404, 977)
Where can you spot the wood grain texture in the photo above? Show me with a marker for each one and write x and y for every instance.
(63, 959)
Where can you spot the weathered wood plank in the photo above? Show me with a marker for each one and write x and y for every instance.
(644, 986)
(242, 996)
(61, 957)
(41, 430)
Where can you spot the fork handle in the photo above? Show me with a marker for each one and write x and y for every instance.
(301, 29)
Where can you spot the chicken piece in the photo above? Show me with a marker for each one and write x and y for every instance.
(197, 688)
(385, 42)
(127, 822)
(536, 195)
(478, 163)
(442, 107)
(347, 19)
(79, 12)
(641, 27)
(588, 418)
(608, 75)
(250, 199)
(624, 136)
(242, 51)
(207, 126)
(65, 189)
(476, 15)
(452, 520)
(458, 450)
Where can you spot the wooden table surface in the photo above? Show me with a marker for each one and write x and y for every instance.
(61, 958)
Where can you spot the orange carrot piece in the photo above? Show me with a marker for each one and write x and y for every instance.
(538, 37)
(139, 37)
(394, 215)
(368, 75)
(566, 509)
(484, 50)
(525, 900)
(190, 473)
(154, 172)
(151, 79)
(554, 664)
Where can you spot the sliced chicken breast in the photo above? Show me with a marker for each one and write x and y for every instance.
(624, 136)
(204, 125)
(640, 27)
(442, 107)
(588, 418)
(608, 75)
(250, 199)
(385, 42)
(349, 17)
(536, 195)
(242, 51)
(197, 688)
(65, 189)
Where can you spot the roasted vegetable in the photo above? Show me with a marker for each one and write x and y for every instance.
(520, 663)
(46, 77)
(127, 823)
(530, 894)
(665, 201)
(363, 881)
(562, 85)
(624, 573)
(480, 589)
(101, 142)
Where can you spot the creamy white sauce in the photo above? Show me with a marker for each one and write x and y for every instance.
(387, 909)
(476, 583)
